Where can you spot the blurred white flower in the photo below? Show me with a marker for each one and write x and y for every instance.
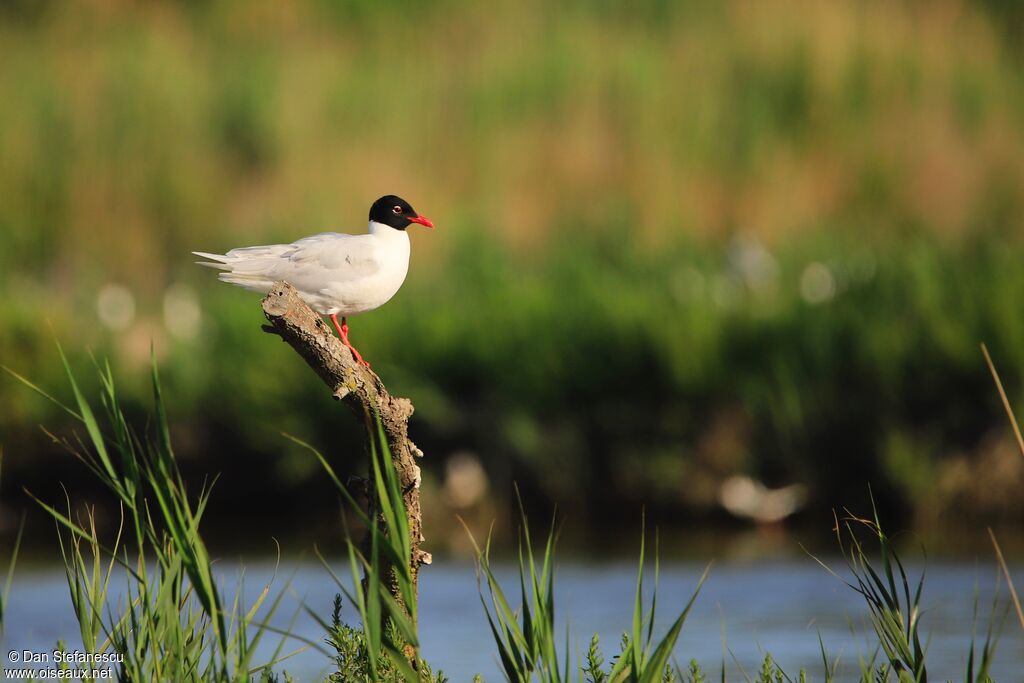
(115, 306)
(182, 314)
(753, 263)
(465, 481)
(817, 283)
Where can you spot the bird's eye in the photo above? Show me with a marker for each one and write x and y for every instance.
(397, 209)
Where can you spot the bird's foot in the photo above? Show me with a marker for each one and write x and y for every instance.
(355, 354)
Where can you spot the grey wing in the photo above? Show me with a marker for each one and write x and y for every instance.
(310, 264)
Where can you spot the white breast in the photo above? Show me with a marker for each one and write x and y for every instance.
(389, 255)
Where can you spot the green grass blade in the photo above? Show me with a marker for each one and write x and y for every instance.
(659, 659)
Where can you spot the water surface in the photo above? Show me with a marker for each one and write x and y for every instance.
(744, 610)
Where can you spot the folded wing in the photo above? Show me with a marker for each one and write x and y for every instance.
(310, 264)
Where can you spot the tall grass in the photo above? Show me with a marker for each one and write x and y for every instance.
(529, 649)
(1020, 444)
(859, 375)
(624, 155)
(8, 577)
(172, 621)
(893, 601)
(528, 644)
(386, 646)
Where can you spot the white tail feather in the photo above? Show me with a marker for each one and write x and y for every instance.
(221, 258)
(250, 282)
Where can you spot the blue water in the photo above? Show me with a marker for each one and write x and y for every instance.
(744, 610)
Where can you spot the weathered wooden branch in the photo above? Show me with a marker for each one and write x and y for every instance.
(362, 390)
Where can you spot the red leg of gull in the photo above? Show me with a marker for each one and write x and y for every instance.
(343, 333)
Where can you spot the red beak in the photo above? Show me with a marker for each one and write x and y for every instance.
(423, 220)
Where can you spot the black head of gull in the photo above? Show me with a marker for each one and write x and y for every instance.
(397, 213)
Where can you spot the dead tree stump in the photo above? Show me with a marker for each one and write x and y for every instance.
(363, 391)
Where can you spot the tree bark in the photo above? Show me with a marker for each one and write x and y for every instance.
(363, 391)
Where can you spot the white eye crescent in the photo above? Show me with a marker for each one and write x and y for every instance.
(397, 209)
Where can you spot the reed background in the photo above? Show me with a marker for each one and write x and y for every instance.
(676, 242)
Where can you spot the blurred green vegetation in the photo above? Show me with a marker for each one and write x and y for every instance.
(677, 241)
